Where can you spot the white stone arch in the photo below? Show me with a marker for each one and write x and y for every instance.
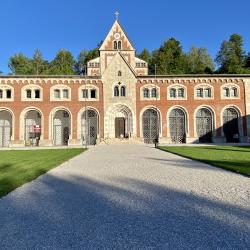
(213, 119)
(177, 86)
(88, 87)
(22, 122)
(230, 86)
(60, 87)
(204, 86)
(141, 114)
(79, 118)
(150, 86)
(51, 121)
(186, 118)
(119, 110)
(32, 87)
(12, 121)
(240, 121)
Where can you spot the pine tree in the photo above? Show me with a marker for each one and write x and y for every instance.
(63, 63)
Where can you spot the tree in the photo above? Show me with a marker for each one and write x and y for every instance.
(199, 61)
(247, 63)
(81, 62)
(169, 58)
(39, 65)
(19, 64)
(145, 55)
(231, 55)
(63, 63)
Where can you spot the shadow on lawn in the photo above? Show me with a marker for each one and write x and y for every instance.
(83, 213)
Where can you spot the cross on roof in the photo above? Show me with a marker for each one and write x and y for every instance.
(117, 15)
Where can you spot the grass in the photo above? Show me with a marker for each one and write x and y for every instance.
(19, 167)
(233, 158)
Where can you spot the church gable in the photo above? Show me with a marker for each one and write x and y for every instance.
(116, 39)
(119, 64)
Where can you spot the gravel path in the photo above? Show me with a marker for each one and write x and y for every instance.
(128, 197)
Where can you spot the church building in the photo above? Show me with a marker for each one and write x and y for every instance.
(118, 99)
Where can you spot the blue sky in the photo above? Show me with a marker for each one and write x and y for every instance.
(77, 24)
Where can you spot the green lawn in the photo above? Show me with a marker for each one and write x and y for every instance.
(232, 158)
(19, 167)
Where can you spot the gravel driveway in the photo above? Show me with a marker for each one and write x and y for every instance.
(128, 197)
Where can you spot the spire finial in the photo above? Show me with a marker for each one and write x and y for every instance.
(117, 15)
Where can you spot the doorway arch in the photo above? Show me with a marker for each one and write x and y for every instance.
(5, 127)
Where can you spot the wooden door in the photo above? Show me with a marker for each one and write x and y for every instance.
(119, 127)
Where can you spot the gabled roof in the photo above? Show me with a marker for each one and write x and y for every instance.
(126, 62)
(116, 28)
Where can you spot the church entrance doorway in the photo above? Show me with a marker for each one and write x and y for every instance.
(119, 127)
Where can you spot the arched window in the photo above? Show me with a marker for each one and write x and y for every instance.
(115, 44)
(199, 92)
(119, 45)
(116, 91)
(145, 93)
(119, 73)
(153, 92)
(207, 92)
(226, 92)
(181, 92)
(234, 92)
(57, 94)
(172, 93)
(123, 91)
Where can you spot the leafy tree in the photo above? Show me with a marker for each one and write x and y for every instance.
(39, 65)
(81, 62)
(19, 64)
(199, 61)
(231, 55)
(63, 63)
(169, 58)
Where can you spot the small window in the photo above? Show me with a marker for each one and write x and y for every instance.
(199, 92)
(181, 93)
(85, 93)
(57, 93)
(172, 93)
(234, 92)
(8, 94)
(119, 45)
(153, 92)
(37, 93)
(93, 93)
(145, 93)
(119, 73)
(207, 92)
(65, 93)
(1, 93)
(115, 44)
(28, 93)
(116, 91)
(226, 92)
(123, 91)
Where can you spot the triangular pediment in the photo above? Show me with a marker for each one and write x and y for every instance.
(116, 33)
(119, 63)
